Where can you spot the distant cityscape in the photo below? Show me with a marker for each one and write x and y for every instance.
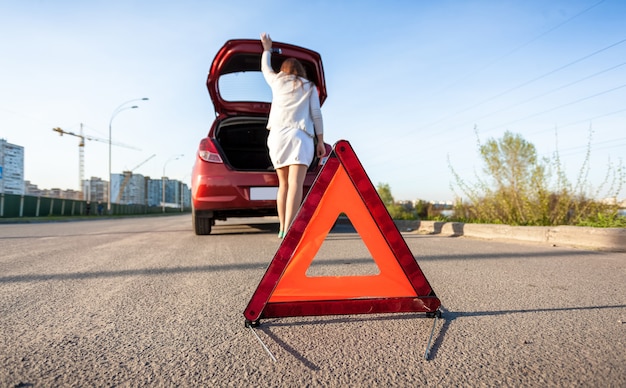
(126, 188)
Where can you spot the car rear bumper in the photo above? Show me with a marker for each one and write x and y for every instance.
(221, 193)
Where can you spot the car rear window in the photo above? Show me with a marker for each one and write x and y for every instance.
(244, 86)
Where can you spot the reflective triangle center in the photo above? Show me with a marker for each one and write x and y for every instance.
(341, 197)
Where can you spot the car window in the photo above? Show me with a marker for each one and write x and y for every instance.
(244, 86)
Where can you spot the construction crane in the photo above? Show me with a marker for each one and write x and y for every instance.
(127, 175)
(81, 151)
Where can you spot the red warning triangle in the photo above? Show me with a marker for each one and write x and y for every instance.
(285, 290)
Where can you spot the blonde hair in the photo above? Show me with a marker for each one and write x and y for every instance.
(293, 66)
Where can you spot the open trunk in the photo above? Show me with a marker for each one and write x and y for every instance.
(243, 141)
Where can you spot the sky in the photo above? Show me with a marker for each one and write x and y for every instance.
(412, 85)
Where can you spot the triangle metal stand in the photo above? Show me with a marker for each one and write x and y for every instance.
(436, 315)
(251, 326)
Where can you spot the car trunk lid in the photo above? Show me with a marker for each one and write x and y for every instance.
(240, 58)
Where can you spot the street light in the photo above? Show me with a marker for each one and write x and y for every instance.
(175, 157)
(118, 110)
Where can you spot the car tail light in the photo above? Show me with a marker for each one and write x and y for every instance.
(208, 152)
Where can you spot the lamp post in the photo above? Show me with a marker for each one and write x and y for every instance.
(175, 157)
(117, 110)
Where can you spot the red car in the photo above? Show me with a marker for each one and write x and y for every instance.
(233, 175)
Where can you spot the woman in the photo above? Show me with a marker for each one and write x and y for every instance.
(295, 119)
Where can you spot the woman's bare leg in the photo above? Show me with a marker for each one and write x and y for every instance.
(296, 175)
(281, 197)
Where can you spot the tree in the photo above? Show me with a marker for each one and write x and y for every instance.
(397, 211)
(384, 191)
(518, 177)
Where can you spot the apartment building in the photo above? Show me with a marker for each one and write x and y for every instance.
(128, 188)
(96, 190)
(11, 168)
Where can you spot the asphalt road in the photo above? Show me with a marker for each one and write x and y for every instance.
(145, 302)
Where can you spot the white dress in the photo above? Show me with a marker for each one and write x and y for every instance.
(295, 117)
(289, 146)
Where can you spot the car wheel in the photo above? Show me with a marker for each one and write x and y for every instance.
(201, 225)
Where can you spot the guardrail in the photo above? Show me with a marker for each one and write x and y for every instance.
(19, 206)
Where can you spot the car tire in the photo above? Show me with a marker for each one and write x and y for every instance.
(201, 225)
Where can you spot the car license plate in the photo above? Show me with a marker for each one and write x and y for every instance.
(263, 193)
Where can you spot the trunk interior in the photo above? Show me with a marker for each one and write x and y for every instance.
(243, 141)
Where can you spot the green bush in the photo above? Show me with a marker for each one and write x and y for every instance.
(520, 189)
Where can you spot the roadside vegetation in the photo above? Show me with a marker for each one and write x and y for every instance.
(517, 187)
